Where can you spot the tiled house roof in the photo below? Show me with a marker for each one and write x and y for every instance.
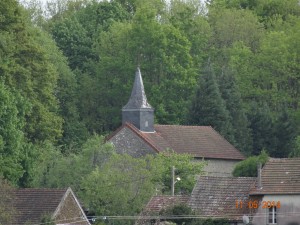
(199, 141)
(217, 196)
(157, 203)
(279, 176)
(31, 205)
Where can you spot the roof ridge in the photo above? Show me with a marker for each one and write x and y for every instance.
(180, 125)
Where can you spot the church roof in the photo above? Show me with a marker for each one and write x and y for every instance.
(199, 141)
(138, 99)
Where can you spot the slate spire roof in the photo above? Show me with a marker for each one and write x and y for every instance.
(138, 97)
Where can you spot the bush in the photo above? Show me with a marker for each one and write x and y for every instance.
(248, 167)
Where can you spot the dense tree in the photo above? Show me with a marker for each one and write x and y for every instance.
(248, 167)
(25, 67)
(262, 127)
(12, 141)
(208, 108)
(7, 210)
(55, 170)
(233, 101)
(285, 133)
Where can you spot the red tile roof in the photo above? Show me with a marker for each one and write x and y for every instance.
(217, 196)
(32, 204)
(199, 141)
(280, 176)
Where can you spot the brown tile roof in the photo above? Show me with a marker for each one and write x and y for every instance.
(32, 204)
(217, 196)
(280, 176)
(157, 203)
(199, 141)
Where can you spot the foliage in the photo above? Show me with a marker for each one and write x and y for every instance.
(124, 184)
(184, 210)
(185, 168)
(121, 187)
(57, 171)
(46, 219)
(210, 222)
(208, 107)
(7, 210)
(177, 210)
(296, 149)
(248, 167)
(12, 141)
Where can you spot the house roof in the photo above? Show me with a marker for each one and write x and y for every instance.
(157, 203)
(199, 141)
(32, 204)
(217, 196)
(279, 176)
(138, 99)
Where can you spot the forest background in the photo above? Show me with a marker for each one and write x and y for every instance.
(67, 68)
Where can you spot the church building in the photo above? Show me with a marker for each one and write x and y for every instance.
(139, 136)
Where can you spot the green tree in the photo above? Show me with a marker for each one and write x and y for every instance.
(296, 148)
(248, 167)
(262, 128)
(121, 187)
(58, 171)
(231, 25)
(208, 108)
(233, 101)
(178, 210)
(185, 168)
(25, 67)
(7, 210)
(285, 133)
(12, 141)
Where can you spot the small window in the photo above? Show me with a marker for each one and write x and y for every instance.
(146, 124)
(273, 215)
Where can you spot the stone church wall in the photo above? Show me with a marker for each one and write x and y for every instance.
(127, 142)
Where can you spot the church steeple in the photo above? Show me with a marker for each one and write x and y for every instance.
(138, 111)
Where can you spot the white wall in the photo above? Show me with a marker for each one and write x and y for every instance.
(287, 214)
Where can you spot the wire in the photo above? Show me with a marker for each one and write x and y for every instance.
(166, 217)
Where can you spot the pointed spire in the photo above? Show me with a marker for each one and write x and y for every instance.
(138, 99)
(138, 111)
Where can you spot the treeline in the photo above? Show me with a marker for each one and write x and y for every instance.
(233, 65)
(66, 71)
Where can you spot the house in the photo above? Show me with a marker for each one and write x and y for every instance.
(31, 206)
(221, 197)
(139, 136)
(278, 191)
(212, 197)
(271, 198)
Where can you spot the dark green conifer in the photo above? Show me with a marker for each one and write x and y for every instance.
(208, 108)
(233, 101)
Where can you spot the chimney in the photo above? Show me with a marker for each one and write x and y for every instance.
(259, 184)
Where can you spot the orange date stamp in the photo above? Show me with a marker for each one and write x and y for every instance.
(256, 204)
